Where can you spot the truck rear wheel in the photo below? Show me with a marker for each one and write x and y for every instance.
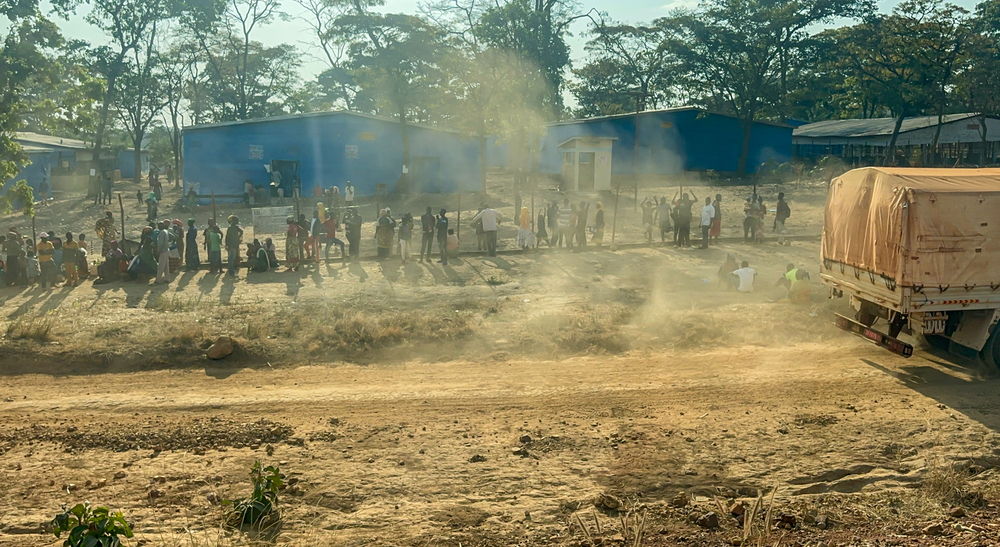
(991, 351)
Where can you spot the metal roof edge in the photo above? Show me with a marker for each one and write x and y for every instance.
(581, 137)
(963, 116)
(661, 111)
(318, 114)
(48, 141)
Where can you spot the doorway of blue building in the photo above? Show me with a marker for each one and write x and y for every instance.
(286, 174)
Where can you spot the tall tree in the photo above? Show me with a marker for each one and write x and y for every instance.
(729, 53)
(736, 54)
(492, 91)
(792, 20)
(174, 68)
(25, 47)
(337, 84)
(63, 95)
(394, 59)
(126, 22)
(535, 31)
(978, 78)
(141, 96)
(245, 78)
(942, 31)
(628, 70)
(893, 56)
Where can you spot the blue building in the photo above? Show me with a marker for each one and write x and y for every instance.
(55, 163)
(670, 142)
(323, 149)
(126, 163)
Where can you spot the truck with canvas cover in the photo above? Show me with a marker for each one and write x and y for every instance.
(919, 249)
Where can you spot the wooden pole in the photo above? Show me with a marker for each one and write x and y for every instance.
(34, 236)
(533, 227)
(458, 222)
(213, 209)
(614, 216)
(121, 208)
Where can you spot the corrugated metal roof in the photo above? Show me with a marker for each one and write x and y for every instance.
(312, 115)
(27, 137)
(872, 126)
(659, 111)
(35, 149)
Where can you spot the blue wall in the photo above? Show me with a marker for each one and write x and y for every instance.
(220, 158)
(34, 172)
(673, 142)
(126, 162)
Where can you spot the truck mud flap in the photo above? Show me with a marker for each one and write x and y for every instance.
(879, 339)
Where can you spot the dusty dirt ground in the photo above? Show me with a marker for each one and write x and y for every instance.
(546, 398)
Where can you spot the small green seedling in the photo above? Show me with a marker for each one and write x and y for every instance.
(90, 527)
(262, 504)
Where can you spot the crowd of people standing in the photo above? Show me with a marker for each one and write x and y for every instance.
(51, 260)
(165, 246)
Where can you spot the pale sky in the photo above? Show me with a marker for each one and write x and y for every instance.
(295, 31)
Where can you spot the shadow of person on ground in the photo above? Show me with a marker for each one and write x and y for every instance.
(412, 272)
(436, 273)
(453, 277)
(358, 271)
(228, 288)
(136, 291)
(183, 280)
(37, 295)
(208, 282)
(390, 269)
(498, 262)
(293, 283)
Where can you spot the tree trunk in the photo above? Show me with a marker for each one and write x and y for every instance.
(175, 144)
(109, 96)
(137, 158)
(890, 151)
(482, 163)
(741, 168)
(935, 156)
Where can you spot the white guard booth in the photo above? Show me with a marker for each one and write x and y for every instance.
(586, 165)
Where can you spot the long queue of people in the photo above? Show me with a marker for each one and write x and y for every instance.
(166, 246)
(50, 261)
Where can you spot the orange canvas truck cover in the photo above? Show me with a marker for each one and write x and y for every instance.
(919, 227)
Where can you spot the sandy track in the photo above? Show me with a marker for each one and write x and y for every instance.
(808, 418)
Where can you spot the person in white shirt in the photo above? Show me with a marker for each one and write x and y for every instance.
(490, 219)
(744, 277)
(349, 194)
(707, 214)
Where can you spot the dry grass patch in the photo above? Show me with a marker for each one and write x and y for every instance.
(950, 485)
(593, 330)
(36, 328)
(353, 332)
(173, 303)
(110, 331)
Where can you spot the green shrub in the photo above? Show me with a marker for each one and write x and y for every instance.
(90, 527)
(262, 504)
